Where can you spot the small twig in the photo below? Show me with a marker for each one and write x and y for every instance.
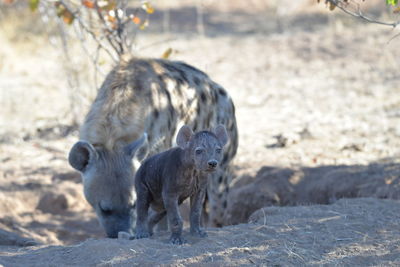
(135, 31)
(94, 59)
(82, 24)
(119, 31)
(108, 30)
(44, 16)
(358, 13)
(344, 239)
(394, 37)
(96, 68)
(72, 79)
(157, 43)
(290, 252)
(264, 216)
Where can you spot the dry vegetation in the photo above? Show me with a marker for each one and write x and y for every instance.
(318, 108)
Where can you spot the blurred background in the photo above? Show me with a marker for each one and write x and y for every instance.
(316, 94)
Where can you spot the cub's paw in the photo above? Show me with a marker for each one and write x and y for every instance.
(142, 234)
(177, 240)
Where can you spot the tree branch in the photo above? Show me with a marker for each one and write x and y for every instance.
(82, 24)
(108, 30)
(342, 5)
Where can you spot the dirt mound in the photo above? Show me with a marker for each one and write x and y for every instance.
(270, 187)
(350, 232)
(12, 239)
(373, 180)
(319, 185)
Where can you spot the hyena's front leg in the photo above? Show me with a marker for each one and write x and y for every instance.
(196, 203)
(217, 194)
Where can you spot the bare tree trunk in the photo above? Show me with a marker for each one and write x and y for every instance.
(166, 20)
(200, 17)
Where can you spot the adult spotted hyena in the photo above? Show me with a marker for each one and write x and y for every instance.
(156, 97)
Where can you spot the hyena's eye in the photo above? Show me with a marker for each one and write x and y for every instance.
(106, 211)
(199, 151)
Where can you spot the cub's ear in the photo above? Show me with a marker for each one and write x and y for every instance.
(81, 154)
(184, 135)
(139, 148)
(221, 134)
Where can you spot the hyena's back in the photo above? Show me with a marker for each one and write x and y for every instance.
(158, 97)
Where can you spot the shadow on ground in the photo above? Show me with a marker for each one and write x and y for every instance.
(274, 186)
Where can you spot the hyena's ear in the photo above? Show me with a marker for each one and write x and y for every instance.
(138, 148)
(221, 134)
(81, 154)
(184, 135)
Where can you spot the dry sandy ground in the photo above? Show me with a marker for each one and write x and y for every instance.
(318, 108)
(345, 233)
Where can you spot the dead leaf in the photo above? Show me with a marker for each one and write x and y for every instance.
(148, 7)
(167, 53)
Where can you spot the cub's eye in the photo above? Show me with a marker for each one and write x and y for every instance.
(199, 151)
(218, 150)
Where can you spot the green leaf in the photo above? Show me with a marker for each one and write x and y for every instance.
(33, 4)
(392, 2)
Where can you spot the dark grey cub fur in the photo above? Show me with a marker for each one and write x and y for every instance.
(166, 179)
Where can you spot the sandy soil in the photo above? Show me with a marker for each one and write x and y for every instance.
(345, 233)
(318, 111)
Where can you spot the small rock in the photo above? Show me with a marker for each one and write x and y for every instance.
(353, 147)
(124, 235)
(284, 140)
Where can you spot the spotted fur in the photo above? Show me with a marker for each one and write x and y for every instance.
(158, 97)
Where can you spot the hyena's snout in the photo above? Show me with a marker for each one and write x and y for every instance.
(113, 224)
(212, 164)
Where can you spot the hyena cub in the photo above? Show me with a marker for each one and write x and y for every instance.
(166, 179)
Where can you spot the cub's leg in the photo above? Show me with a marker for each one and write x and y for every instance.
(154, 218)
(174, 218)
(142, 209)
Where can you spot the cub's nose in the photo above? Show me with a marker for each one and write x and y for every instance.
(212, 163)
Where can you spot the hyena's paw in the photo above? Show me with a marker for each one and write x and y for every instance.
(198, 233)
